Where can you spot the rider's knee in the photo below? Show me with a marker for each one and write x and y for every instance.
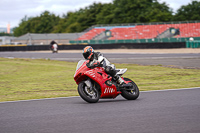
(110, 70)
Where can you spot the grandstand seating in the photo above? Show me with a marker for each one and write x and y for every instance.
(91, 34)
(145, 31)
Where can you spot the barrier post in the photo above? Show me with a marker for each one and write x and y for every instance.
(187, 44)
(193, 44)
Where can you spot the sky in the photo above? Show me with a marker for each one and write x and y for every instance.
(12, 11)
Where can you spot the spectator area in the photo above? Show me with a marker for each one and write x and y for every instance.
(91, 34)
(143, 31)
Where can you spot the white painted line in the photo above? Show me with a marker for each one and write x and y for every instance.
(139, 58)
(65, 58)
(172, 89)
(39, 99)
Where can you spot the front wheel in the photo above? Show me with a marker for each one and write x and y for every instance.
(131, 94)
(90, 96)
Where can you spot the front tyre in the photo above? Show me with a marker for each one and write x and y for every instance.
(90, 96)
(131, 94)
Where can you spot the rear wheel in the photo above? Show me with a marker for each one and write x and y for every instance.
(90, 96)
(131, 94)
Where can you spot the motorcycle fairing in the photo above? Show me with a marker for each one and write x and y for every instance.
(99, 76)
(80, 69)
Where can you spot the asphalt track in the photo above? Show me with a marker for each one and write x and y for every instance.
(174, 111)
(181, 60)
(171, 111)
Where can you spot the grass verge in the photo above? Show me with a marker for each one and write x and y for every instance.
(22, 79)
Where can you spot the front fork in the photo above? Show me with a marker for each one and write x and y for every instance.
(89, 84)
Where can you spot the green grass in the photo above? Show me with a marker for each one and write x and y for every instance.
(22, 79)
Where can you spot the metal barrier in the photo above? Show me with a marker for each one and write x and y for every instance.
(154, 40)
(97, 46)
(193, 44)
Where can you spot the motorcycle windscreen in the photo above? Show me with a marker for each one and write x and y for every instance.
(80, 63)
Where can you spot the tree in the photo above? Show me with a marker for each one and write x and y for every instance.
(5, 34)
(105, 16)
(140, 11)
(188, 12)
(41, 24)
(81, 19)
(159, 12)
(117, 12)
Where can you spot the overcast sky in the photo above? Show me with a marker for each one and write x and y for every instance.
(12, 11)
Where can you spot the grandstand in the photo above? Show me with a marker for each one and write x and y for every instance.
(123, 33)
(91, 34)
(149, 35)
(144, 31)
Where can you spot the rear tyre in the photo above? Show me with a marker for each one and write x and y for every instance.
(88, 95)
(130, 94)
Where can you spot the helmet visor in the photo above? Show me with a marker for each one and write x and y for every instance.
(86, 55)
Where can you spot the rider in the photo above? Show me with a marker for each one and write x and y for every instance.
(96, 59)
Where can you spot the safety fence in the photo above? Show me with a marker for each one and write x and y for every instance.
(97, 46)
(193, 44)
(154, 40)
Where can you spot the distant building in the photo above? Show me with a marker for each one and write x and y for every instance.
(45, 39)
(6, 40)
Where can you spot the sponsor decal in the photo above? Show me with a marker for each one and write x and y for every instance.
(90, 72)
(109, 90)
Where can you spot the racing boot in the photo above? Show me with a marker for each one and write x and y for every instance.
(119, 80)
(123, 84)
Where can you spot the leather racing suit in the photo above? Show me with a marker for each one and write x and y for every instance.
(99, 61)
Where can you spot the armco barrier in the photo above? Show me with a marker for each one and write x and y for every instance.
(24, 48)
(153, 40)
(97, 46)
(193, 44)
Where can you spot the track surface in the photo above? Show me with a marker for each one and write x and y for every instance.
(184, 60)
(174, 111)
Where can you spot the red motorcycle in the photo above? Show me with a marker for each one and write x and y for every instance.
(95, 83)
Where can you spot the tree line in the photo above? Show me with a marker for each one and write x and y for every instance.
(117, 12)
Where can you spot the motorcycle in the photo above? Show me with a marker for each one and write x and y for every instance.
(95, 83)
(55, 48)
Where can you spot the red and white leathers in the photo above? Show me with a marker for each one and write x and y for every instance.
(97, 60)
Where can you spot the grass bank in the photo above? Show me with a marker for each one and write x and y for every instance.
(22, 79)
